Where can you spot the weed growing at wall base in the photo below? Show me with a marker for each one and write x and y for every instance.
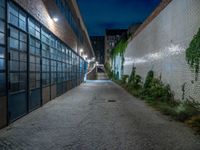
(159, 95)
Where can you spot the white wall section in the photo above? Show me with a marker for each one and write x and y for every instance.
(161, 46)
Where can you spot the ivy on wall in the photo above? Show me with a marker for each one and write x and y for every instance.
(119, 48)
(193, 53)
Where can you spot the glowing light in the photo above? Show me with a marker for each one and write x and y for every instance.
(55, 19)
(85, 57)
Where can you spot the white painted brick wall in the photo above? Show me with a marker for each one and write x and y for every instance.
(161, 46)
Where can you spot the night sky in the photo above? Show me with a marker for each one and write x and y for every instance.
(101, 14)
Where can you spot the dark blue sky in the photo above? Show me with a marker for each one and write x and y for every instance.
(101, 14)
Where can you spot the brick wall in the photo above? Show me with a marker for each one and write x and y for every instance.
(160, 45)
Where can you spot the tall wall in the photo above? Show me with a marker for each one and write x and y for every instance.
(161, 46)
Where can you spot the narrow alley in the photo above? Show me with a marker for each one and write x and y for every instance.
(97, 116)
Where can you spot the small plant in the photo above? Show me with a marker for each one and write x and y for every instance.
(159, 95)
(149, 79)
(132, 76)
(184, 112)
(194, 122)
(183, 90)
(137, 82)
(124, 79)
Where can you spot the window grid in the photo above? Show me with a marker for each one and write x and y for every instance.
(58, 63)
(18, 60)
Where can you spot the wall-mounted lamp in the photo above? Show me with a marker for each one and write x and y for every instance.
(80, 52)
(55, 19)
(85, 57)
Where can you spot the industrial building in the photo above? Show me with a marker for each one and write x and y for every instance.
(43, 49)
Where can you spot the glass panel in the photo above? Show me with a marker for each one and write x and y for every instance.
(2, 3)
(22, 83)
(2, 64)
(37, 76)
(2, 38)
(23, 66)
(14, 33)
(14, 79)
(23, 37)
(14, 43)
(2, 84)
(13, 20)
(2, 13)
(2, 26)
(32, 67)
(2, 52)
(23, 46)
(37, 84)
(13, 9)
(14, 55)
(34, 28)
(22, 25)
(13, 14)
(22, 20)
(23, 57)
(14, 65)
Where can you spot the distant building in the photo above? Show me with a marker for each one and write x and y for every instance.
(98, 47)
(111, 38)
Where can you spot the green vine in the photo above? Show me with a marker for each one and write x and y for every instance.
(120, 47)
(193, 53)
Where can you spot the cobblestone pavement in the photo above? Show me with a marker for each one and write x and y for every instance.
(87, 118)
